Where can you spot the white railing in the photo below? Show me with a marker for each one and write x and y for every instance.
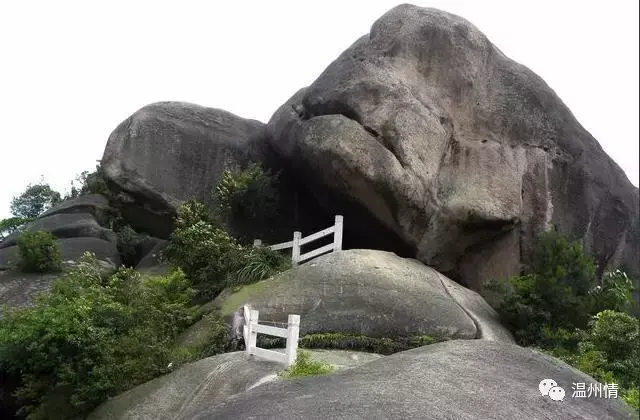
(252, 329)
(298, 241)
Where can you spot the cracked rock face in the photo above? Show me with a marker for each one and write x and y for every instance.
(461, 152)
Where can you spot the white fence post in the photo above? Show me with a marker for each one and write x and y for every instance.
(246, 329)
(253, 333)
(295, 254)
(257, 243)
(293, 332)
(337, 235)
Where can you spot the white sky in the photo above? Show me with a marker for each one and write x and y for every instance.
(70, 72)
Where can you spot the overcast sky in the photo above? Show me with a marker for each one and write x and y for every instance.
(70, 72)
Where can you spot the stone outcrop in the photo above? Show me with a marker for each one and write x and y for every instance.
(169, 152)
(197, 386)
(77, 224)
(461, 153)
(371, 293)
(460, 379)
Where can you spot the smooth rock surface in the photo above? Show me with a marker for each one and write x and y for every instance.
(463, 153)
(72, 249)
(20, 289)
(169, 152)
(65, 225)
(8, 257)
(89, 203)
(459, 379)
(373, 293)
(196, 386)
(151, 262)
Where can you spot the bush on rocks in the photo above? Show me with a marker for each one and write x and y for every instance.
(246, 201)
(92, 337)
(38, 252)
(561, 307)
(211, 258)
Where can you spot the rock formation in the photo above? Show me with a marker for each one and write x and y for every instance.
(170, 152)
(462, 153)
(371, 293)
(460, 379)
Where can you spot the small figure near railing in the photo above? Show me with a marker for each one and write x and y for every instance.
(298, 241)
(291, 333)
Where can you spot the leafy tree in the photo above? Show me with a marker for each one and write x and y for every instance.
(39, 252)
(10, 225)
(561, 307)
(92, 337)
(614, 292)
(34, 201)
(89, 183)
(247, 201)
(556, 292)
(616, 336)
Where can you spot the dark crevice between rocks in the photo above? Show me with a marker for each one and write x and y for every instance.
(483, 233)
(310, 206)
(144, 212)
(362, 230)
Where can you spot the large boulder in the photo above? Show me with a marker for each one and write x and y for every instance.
(365, 292)
(169, 152)
(463, 154)
(197, 386)
(460, 379)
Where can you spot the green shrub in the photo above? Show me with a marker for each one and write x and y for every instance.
(38, 252)
(609, 351)
(129, 242)
(258, 264)
(304, 366)
(614, 292)
(616, 337)
(206, 253)
(556, 292)
(359, 342)
(632, 397)
(89, 183)
(247, 201)
(211, 258)
(91, 338)
(94, 182)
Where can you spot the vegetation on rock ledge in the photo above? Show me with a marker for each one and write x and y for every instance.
(560, 307)
(92, 337)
